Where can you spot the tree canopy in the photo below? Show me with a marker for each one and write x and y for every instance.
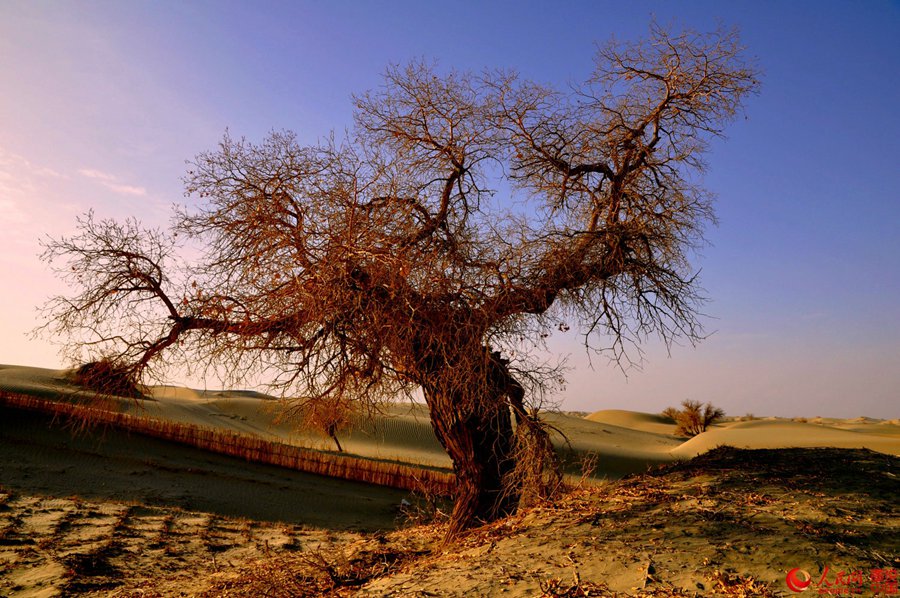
(464, 217)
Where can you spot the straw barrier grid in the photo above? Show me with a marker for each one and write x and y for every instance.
(251, 448)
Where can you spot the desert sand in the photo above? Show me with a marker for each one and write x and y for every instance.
(105, 512)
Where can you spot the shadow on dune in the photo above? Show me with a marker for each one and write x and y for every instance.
(833, 472)
(42, 457)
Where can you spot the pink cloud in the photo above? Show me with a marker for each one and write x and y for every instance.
(111, 182)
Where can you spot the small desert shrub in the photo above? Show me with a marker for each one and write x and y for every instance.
(728, 583)
(325, 417)
(106, 377)
(693, 417)
(588, 467)
(557, 588)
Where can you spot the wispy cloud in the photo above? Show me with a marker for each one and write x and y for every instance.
(126, 189)
(11, 212)
(19, 184)
(11, 162)
(31, 205)
(111, 182)
(96, 174)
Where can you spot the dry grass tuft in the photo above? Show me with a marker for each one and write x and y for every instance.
(426, 505)
(556, 588)
(330, 570)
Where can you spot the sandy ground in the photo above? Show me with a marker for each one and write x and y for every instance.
(97, 511)
(53, 546)
(108, 513)
(731, 523)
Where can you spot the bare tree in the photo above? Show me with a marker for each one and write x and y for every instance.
(464, 218)
(327, 416)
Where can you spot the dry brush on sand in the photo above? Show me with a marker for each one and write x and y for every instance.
(693, 418)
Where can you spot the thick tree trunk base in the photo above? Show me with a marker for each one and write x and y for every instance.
(481, 446)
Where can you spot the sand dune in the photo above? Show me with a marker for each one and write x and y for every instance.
(623, 441)
(783, 434)
(619, 450)
(633, 420)
(37, 457)
(36, 381)
(885, 428)
(164, 392)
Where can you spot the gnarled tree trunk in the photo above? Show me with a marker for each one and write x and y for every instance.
(475, 422)
(480, 442)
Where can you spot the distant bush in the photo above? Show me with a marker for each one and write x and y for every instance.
(106, 377)
(693, 417)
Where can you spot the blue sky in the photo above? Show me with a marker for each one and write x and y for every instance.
(103, 102)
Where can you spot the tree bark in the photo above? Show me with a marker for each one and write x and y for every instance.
(478, 434)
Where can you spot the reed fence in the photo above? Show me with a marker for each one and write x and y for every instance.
(251, 448)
